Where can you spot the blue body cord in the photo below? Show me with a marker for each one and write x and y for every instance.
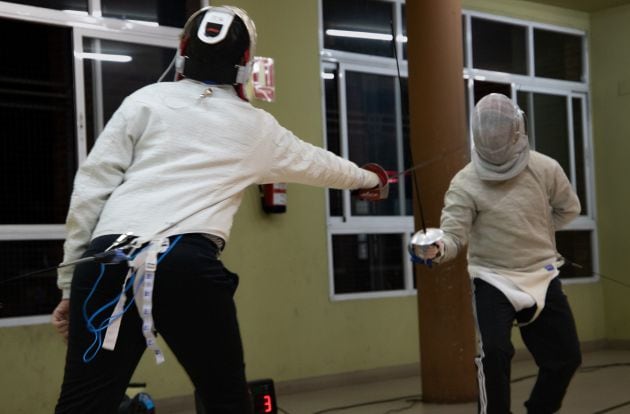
(97, 344)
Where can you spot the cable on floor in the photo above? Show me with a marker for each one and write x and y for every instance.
(416, 399)
(614, 407)
(347, 407)
(589, 368)
(412, 402)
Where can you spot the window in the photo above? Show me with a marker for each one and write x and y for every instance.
(163, 12)
(360, 26)
(79, 5)
(499, 46)
(38, 158)
(368, 262)
(558, 55)
(367, 120)
(55, 99)
(107, 83)
(374, 121)
(34, 295)
(541, 67)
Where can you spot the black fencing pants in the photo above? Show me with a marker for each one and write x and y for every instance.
(551, 339)
(193, 311)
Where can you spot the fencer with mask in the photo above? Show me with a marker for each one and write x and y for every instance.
(171, 167)
(505, 207)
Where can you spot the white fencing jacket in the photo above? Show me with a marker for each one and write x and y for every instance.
(170, 157)
(509, 226)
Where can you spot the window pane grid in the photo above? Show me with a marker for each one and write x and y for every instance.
(558, 55)
(367, 263)
(539, 66)
(37, 148)
(360, 26)
(108, 83)
(499, 46)
(333, 132)
(34, 295)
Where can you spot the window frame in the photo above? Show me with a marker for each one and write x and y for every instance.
(82, 26)
(570, 89)
(343, 60)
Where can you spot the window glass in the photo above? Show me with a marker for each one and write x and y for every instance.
(372, 121)
(525, 103)
(164, 12)
(576, 247)
(79, 5)
(110, 82)
(405, 182)
(34, 295)
(578, 148)
(548, 127)
(333, 132)
(499, 46)
(548, 131)
(558, 55)
(360, 26)
(368, 262)
(483, 88)
(37, 148)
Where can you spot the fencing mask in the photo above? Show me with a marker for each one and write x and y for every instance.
(501, 147)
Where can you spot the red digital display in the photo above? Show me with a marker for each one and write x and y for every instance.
(264, 396)
(267, 404)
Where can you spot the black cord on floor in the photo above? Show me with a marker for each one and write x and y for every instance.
(523, 378)
(347, 407)
(412, 402)
(614, 407)
(416, 399)
(589, 368)
(611, 365)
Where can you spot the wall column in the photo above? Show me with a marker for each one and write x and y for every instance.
(439, 142)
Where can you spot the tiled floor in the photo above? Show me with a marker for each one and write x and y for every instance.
(602, 385)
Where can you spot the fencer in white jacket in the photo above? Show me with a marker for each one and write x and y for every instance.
(171, 166)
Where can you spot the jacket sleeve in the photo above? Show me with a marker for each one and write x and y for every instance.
(96, 179)
(294, 160)
(456, 221)
(565, 205)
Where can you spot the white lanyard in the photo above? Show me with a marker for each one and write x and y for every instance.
(144, 265)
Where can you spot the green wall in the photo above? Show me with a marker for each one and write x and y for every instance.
(291, 329)
(610, 69)
(530, 11)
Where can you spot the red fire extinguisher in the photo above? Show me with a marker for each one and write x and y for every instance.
(274, 197)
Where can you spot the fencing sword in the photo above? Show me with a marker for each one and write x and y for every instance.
(579, 266)
(427, 236)
(114, 254)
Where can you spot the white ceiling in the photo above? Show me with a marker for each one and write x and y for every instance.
(585, 5)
